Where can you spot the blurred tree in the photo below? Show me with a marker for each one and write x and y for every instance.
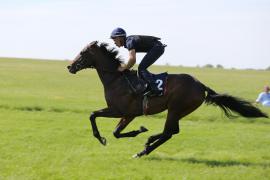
(219, 66)
(208, 66)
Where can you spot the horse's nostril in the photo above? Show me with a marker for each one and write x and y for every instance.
(69, 67)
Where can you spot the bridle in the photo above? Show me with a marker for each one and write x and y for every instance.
(81, 63)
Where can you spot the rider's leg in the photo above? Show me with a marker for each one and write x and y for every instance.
(147, 61)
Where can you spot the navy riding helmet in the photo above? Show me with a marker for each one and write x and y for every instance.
(118, 32)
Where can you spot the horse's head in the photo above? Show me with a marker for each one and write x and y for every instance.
(96, 56)
(85, 59)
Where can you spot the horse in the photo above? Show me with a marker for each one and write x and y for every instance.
(184, 94)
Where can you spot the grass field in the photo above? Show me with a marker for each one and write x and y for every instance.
(45, 132)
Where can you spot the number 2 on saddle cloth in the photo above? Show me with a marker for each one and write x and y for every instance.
(139, 87)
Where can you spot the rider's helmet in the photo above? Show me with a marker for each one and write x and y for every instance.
(118, 32)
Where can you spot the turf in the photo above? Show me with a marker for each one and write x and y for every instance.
(45, 132)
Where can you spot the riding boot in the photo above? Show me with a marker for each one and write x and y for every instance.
(147, 76)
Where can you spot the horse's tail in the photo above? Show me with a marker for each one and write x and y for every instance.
(229, 103)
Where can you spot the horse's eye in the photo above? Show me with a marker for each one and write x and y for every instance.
(78, 66)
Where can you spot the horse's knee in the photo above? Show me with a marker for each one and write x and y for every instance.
(92, 116)
(116, 134)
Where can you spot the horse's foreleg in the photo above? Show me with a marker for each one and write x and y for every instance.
(123, 124)
(107, 112)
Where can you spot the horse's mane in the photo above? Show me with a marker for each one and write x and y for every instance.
(111, 52)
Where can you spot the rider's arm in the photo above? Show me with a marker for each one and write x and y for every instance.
(131, 59)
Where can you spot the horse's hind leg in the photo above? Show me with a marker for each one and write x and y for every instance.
(148, 149)
(153, 138)
(123, 124)
(171, 128)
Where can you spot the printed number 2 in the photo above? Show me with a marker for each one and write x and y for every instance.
(159, 83)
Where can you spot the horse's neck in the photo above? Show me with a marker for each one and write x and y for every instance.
(107, 71)
(107, 78)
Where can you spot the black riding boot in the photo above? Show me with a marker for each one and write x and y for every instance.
(147, 76)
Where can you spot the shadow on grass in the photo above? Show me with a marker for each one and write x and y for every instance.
(210, 163)
(38, 108)
(157, 158)
(216, 163)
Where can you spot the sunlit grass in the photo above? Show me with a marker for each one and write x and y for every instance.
(45, 131)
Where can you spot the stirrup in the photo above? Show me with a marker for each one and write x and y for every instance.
(151, 93)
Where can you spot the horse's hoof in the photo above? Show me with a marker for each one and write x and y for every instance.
(136, 156)
(143, 129)
(103, 141)
(140, 154)
(146, 145)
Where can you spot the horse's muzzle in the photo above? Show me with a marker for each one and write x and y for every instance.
(72, 71)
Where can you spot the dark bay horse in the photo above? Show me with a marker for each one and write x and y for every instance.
(184, 95)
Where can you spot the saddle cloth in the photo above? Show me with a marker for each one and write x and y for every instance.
(139, 87)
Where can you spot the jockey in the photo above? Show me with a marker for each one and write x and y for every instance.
(136, 44)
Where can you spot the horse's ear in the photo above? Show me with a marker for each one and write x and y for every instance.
(93, 43)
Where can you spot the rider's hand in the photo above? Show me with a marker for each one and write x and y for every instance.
(121, 68)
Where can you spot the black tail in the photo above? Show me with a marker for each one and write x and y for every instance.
(229, 103)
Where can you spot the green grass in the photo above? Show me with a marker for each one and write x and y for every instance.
(45, 132)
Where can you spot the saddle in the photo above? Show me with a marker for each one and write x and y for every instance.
(139, 86)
